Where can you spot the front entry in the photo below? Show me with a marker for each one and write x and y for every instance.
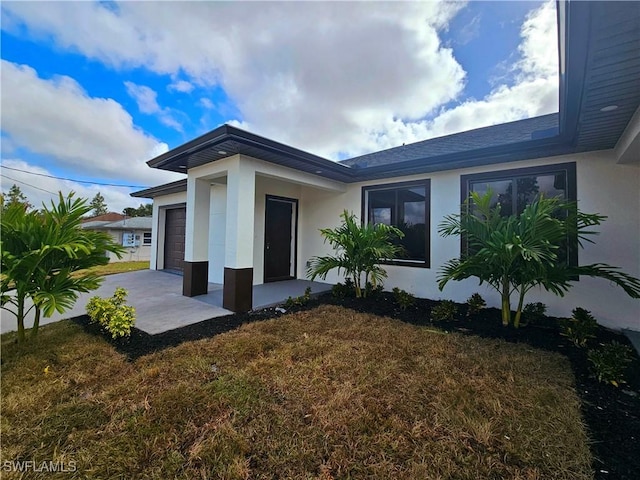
(280, 225)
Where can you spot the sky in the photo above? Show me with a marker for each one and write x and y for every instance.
(90, 91)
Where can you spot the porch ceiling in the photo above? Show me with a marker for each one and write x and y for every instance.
(603, 54)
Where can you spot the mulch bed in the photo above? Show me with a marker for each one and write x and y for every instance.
(612, 414)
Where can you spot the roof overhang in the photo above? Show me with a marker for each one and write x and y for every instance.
(227, 140)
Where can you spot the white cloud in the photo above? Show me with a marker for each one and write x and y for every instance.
(206, 103)
(58, 119)
(181, 86)
(333, 78)
(312, 74)
(40, 189)
(147, 100)
(145, 97)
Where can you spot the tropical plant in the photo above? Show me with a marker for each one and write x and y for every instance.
(516, 253)
(345, 290)
(403, 298)
(445, 310)
(112, 313)
(42, 253)
(300, 301)
(609, 363)
(475, 303)
(359, 251)
(580, 327)
(533, 312)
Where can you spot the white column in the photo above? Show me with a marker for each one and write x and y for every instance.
(196, 247)
(241, 193)
(237, 293)
(195, 278)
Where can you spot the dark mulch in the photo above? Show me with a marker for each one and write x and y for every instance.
(612, 414)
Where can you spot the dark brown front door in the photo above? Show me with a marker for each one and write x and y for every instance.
(278, 236)
(175, 223)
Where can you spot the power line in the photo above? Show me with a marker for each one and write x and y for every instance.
(25, 183)
(77, 181)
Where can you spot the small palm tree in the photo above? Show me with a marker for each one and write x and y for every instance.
(513, 254)
(359, 251)
(42, 253)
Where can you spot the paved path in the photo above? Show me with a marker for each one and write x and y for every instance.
(160, 305)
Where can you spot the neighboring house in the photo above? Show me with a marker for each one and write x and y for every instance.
(133, 233)
(105, 217)
(250, 209)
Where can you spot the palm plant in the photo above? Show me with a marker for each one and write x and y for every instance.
(516, 253)
(42, 253)
(359, 251)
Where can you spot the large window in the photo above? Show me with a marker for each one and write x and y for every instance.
(515, 189)
(406, 206)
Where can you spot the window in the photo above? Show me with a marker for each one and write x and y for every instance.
(146, 240)
(405, 206)
(515, 189)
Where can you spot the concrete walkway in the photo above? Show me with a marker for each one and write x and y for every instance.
(160, 305)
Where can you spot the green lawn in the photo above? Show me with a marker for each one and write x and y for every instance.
(322, 394)
(119, 267)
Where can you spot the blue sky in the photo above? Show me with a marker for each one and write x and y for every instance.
(90, 91)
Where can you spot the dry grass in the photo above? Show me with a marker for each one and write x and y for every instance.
(119, 267)
(322, 394)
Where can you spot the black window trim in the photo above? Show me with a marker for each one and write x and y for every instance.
(364, 217)
(569, 168)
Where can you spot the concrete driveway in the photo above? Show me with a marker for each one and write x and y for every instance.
(160, 305)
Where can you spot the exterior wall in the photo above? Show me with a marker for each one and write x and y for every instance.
(156, 254)
(132, 254)
(268, 186)
(603, 186)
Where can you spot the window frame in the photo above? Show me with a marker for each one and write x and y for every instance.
(364, 217)
(568, 168)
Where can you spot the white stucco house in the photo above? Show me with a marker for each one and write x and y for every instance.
(250, 208)
(133, 233)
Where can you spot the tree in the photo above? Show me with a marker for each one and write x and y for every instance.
(516, 253)
(359, 252)
(144, 210)
(44, 255)
(15, 197)
(98, 205)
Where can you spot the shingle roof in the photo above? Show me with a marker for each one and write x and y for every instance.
(133, 223)
(503, 134)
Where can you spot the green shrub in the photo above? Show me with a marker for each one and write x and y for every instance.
(475, 303)
(403, 298)
(300, 301)
(372, 291)
(445, 310)
(610, 362)
(580, 327)
(534, 313)
(345, 290)
(112, 313)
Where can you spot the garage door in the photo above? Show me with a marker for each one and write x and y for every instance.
(175, 222)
